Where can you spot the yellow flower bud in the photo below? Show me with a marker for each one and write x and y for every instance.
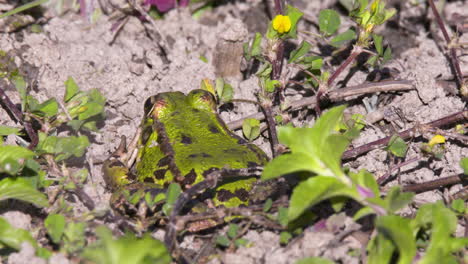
(282, 24)
(437, 139)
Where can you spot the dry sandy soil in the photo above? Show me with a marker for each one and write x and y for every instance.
(129, 65)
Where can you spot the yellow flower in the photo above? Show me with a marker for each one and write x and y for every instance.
(282, 24)
(437, 139)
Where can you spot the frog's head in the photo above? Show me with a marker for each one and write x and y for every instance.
(164, 104)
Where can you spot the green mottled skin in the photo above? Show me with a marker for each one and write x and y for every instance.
(183, 135)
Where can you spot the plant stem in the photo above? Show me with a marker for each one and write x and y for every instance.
(22, 8)
(453, 118)
(435, 184)
(452, 54)
(335, 96)
(18, 115)
(354, 53)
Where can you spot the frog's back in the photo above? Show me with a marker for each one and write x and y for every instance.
(190, 142)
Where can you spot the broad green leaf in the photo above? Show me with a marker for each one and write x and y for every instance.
(14, 237)
(55, 225)
(282, 216)
(251, 128)
(256, 48)
(74, 237)
(270, 85)
(299, 52)
(399, 232)
(223, 241)
(20, 85)
(380, 250)
(126, 250)
(241, 242)
(8, 130)
(378, 43)
(63, 147)
(372, 60)
(312, 62)
(90, 109)
(71, 89)
(285, 236)
(366, 179)
(459, 206)
(173, 192)
(12, 158)
(294, 15)
(397, 146)
(343, 38)
(20, 189)
(365, 211)
(224, 90)
(293, 162)
(314, 260)
(48, 108)
(387, 55)
(314, 190)
(329, 21)
(232, 230)
(464, 165)
(395, 199)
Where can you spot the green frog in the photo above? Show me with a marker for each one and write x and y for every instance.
(181, 140)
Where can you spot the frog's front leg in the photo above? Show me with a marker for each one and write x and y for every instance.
(129, 197)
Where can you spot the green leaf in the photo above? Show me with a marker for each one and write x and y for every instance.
(310, 148)
(285, 236)
(282, 216)
(380, 250)
(232, 230)
(314, 190)
(8, 130)
(329, 21)
(74, 237)
(241, 242)
(90, 109)
(48, 108)
(294, 15)
(12, 158)
(55, 225)
(172, 194)
(270, 85)
(63, 147)
(126, 250)
(223, 241)
(256, 49)
(298, 53)
(378, 43)
(14, 237)
(20, 189)
(342, 38)
(312, 62)
(395, 199)
(399, 232)
(251, 128)
(20, 85)
(314, 260)
(372, 60)
(268, 204)
(71, 89)
(458, 206)
(464, 165)
(387, 55)
(224, 90)
(397, 146)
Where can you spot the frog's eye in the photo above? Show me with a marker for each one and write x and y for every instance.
(202, 100)
(156, 106)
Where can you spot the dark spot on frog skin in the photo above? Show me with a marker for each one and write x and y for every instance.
(203, 154)
(251, 164)
(148, 180)
(159, 174)
(186, 140)
(175, 113)
(195, 110)
(242, 194)
(225, 195)
(116, 163)
(189, 178)
(213, 129)
(164, 161)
